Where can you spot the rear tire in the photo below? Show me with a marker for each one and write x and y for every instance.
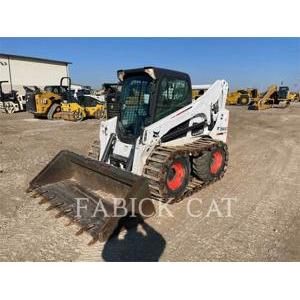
(211, 164)
(243, 100)
(53, 109)
(177, 176)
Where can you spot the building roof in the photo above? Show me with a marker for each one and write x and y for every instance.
(46, 60)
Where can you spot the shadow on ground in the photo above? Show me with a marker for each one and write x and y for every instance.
(138, 243)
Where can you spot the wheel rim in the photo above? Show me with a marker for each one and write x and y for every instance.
(176, 176)
(10, 110)
(244, 101)
(217, 162)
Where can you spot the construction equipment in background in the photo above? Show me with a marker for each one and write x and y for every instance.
(284, 93)
(88, 105)
(82, 107)
(10, 102)
(271, 98)
(162, 145)
(199, 90)
(47, 103)
(241, 97)
(111, 93)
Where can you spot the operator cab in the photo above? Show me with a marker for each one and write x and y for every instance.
(148, 95)
(283, 92)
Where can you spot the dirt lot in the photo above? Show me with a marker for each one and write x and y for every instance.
(263, 182)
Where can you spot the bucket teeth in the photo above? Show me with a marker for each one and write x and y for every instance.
(68, 210)
(71, 222)
(85, 228)
(93, 241)
(60, 214)
(90, 227)
(52, 206)
(80, 231)
(43, 200)
(35, 194)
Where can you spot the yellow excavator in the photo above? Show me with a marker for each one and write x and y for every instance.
(273, 97)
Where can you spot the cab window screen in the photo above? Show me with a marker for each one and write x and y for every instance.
(173, 95)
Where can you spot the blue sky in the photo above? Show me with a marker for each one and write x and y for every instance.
(244, 62)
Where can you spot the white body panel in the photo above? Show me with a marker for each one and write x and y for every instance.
(209, 107)
(201, 86)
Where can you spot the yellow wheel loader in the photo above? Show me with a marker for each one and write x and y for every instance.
(241, 97)
(162, 147)
(46, 103)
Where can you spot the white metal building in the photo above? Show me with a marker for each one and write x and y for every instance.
(30, 71)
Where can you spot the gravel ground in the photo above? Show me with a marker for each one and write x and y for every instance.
(262, 181)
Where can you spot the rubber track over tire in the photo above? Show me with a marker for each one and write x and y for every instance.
(162, 156)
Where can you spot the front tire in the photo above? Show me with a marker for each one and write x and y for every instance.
(177, 176)
(53, 109)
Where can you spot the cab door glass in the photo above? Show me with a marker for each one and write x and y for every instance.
(173, 95)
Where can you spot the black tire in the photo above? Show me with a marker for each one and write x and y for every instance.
(176, 182)
(100, 114)
(53, 109)
(78, 116)
(243, 100)
(97, 115)
(94, 151)
(205, 167)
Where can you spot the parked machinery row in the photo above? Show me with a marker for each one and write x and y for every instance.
(61, 102)
(10, 102)
(273, 97)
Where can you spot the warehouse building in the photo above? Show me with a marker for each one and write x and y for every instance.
(22, 71)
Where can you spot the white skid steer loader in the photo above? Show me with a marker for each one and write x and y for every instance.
(161, 146)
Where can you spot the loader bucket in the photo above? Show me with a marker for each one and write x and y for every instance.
(91, 193)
